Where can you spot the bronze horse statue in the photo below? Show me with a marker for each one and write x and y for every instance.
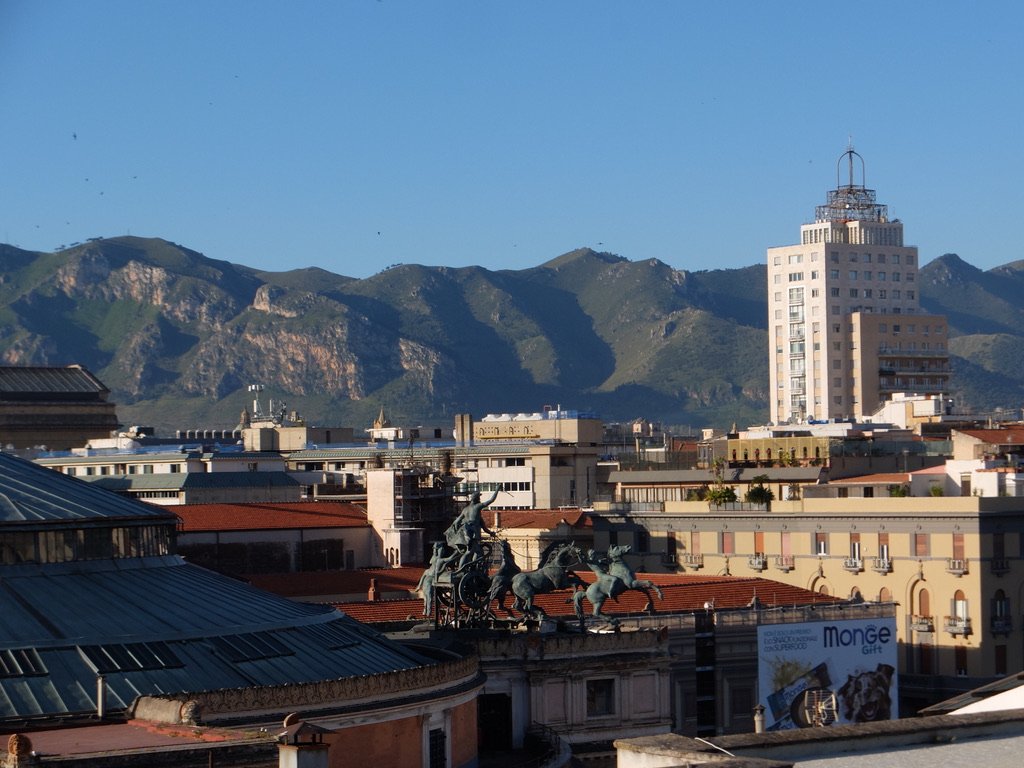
(552, 574)
(501, 581)
(614, 576)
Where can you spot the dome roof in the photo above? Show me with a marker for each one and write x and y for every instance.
(89, 585)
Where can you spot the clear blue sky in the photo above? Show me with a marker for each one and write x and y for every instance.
(355, 134)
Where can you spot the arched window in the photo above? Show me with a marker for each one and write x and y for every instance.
(856, 596)
(1000, 605)
(884, 595)
(958, 608)
(823, 589)
(924, 607)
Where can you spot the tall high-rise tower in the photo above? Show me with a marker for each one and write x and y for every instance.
(844, 323)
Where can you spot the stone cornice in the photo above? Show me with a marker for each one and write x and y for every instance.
(371, 691)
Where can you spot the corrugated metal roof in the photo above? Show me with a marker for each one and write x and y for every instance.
(115, 457)
(150, 625)
(210, 624)
(36, 379)
(29, 493)
(733, 475)
(192, 480)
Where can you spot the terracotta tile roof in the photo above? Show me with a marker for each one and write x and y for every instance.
(545, 519)
(683, 594)
(246, 517)
(312, 583)
(130, 735)
(996, 436)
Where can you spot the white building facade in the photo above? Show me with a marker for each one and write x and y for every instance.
(850, 265)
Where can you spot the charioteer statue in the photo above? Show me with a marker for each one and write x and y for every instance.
(465, 532)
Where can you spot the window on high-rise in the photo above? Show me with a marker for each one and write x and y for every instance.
(910, 294)
(814, 274)
(835, 292)
(895, 258)
(895, 277)
(834, 274)
(854, 293)
(853, 274)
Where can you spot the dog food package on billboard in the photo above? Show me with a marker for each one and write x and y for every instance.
(820, 673)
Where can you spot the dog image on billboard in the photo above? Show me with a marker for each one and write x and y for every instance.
(865, 696)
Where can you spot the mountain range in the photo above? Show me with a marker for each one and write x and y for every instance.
(178, 337)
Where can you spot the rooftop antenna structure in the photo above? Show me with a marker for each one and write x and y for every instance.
(851, 201)
(257, 409)
(272, 414)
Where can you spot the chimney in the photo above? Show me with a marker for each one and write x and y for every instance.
(302, 745)
(372, 594)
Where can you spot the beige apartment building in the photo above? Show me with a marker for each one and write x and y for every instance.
(952, 565)
(845, 329)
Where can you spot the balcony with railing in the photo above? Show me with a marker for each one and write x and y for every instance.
(785, 563)
(1001, 625)
(758, 561)
(853, 564)
(999, 565)
(958, 625)
(881, 564)
(669, 561)
(922, 623)
(693, 561)
(956, 566)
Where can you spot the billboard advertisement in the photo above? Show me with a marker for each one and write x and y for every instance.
(816, 673)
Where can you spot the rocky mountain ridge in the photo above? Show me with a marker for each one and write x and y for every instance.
(178, 336)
